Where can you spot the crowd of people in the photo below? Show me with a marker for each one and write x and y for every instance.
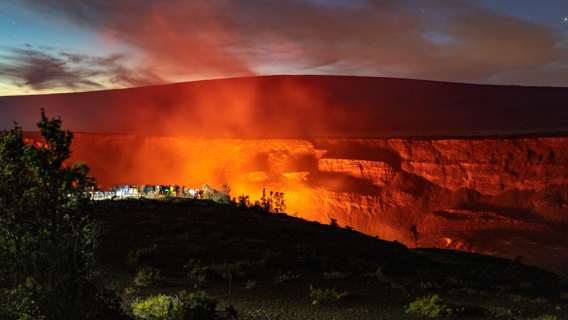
(270, 201)
(147, 191)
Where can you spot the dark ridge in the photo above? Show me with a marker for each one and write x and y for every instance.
(305, 107)
(275, 258)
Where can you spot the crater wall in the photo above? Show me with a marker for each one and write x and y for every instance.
(505, 197)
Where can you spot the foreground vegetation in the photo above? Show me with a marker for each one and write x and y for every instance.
(48, 241)
(272, 266)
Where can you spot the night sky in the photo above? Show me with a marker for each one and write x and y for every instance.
(83, 45)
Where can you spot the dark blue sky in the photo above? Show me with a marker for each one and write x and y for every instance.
(80, 45)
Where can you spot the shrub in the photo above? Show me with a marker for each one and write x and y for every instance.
(500, 312)
(243, 201)
(285, 277)
(220, 197)
(146, 276)
(193, 307)
(155, 307)
(226, 189)
(47, 240)
(258, 313)
(327, 294)
(379, 275)
(197, 271)
(431, 306)
(187, 307)
(274, 202)
(251, 284)
(130, 290)
(546, 317)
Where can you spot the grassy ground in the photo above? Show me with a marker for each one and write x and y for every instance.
(269, 262)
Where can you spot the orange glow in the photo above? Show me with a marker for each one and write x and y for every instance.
(378, 187)
(242, 108)
(289, 166)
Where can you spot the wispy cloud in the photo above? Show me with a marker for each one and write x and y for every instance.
(448, 40)
(40, 70)
(44, 68)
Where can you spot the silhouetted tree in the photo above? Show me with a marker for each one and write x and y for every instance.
(47, 240)
(226, 189)
(333, 223)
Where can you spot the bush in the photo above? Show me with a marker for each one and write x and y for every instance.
(379, 275)
(47, 240)
(431, 306)
(219, 197)
(327, 294)
(146, 276)
(546, 317)
(155, 307)
(197, 271)
(194, 307)
(226, 189)
(187, 307)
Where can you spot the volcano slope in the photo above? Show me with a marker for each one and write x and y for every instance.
(278, 263)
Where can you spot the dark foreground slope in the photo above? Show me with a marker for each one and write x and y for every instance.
(273, 259)
(300, 106)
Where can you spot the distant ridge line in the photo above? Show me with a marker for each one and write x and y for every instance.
(305, 106)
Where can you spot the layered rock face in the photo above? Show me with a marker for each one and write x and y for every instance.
(500, 197)
(487, 166)
(378, 172)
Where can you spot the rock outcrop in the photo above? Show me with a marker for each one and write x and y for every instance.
(505, 197)
(380, 173)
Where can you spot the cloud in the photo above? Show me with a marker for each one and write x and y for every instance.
(46, 69)
(439, 40)
(485, 46)
(40, 70)
(118, 73)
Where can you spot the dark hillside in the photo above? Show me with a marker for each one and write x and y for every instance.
(274, 258)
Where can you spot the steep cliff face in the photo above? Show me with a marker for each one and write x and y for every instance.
(380, 173)
(501, 197)
(487, 166)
